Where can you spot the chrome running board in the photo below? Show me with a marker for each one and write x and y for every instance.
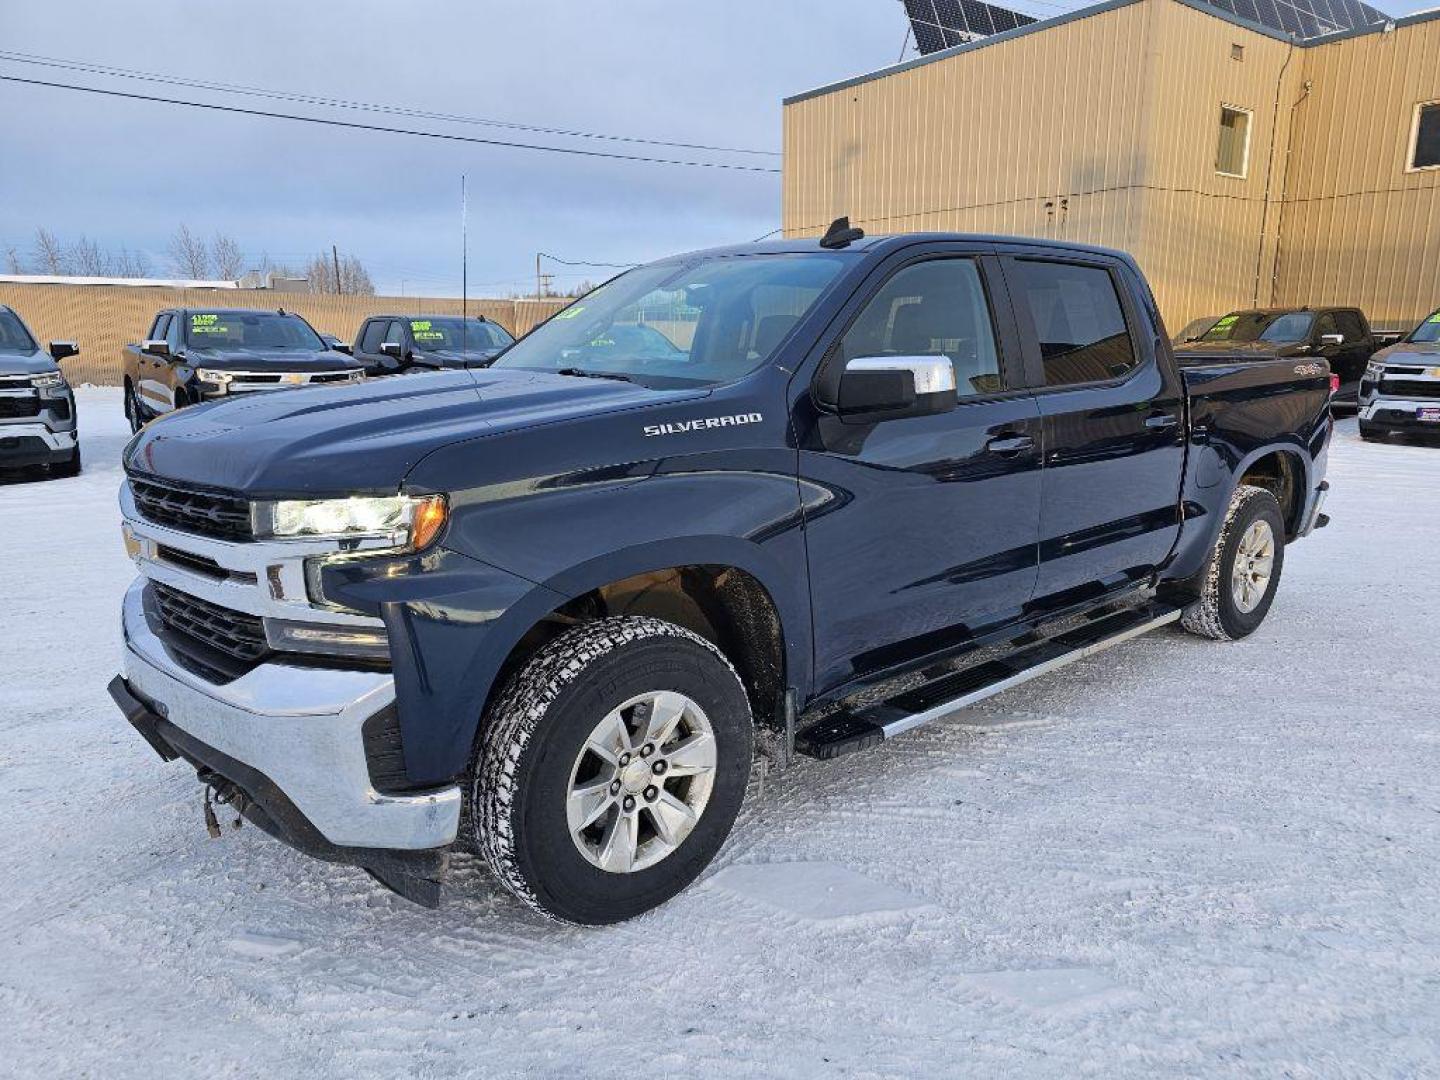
(846, 732)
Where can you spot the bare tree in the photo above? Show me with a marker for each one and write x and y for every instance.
(13, 265)
(354, 278)
(188, 253)
(48, 255)
(88, 260)
(131, 264)
(225, 253)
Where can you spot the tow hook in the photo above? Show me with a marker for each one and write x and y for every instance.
(221, 792)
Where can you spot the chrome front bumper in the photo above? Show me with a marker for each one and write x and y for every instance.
(300, 727)
(1412, 406)
(55, 440)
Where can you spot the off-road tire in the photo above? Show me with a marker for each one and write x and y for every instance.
(529, 745)
(1215, 615)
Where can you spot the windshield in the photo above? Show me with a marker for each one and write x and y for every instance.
(249, 330)
(1261, 326)
(672, 324)
(442, 333)
(14, 338)
(1427, 331)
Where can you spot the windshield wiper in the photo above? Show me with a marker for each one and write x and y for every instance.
(581, 373)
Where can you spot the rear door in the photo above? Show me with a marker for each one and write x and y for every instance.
(921, 531)
(1112, 421)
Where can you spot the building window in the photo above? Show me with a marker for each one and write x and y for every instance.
(1237, 52)
(1425, 137)
(1232, 155)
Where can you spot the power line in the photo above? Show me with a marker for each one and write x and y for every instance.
(342, 103)
(571, 262)
(328, 122)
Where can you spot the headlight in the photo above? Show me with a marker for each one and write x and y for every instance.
(50, 380)
(1375, 372)
(210, 375)
(410, 523)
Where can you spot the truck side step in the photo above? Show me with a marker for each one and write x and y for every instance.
(846, 731)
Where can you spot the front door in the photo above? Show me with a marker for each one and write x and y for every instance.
(921, 531)
(1112, 412)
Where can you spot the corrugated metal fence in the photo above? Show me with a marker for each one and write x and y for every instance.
(103, 318)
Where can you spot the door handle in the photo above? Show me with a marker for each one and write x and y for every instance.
(1010, 444)
(1162, 420)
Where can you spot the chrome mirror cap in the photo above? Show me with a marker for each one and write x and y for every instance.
(932, 374)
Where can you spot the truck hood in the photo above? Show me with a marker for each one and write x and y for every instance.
(364, 438)
(242, 359)
(460, 357)
(1243, 348)
(1410, 352)
(35, 363)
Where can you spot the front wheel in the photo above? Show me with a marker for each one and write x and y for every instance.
(1240, 578)
(611, 769)
(1371, 433)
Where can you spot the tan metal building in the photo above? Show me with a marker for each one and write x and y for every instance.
(1239, 166)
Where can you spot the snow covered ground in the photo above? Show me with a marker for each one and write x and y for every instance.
(1176, 858)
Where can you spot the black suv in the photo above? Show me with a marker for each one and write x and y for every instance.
(400, 344)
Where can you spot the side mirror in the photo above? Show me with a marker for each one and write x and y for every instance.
(341, 347)
(890, 387)
(393, 349)
(59, 350)
(156, 347)
(1332, 339)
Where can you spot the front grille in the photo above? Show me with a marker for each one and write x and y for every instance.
(234, 633)
(19, 406)
(226, 517)
(330, 377)
(1411, 388)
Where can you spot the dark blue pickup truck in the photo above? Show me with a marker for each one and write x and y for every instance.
(551, 610)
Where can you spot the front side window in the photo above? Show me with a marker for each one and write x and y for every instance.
(374, 336)
(14, 338)
(249, 329)
(1326, 324)
(1425, 140)
(162, 325)
(1232, 155)
(1078, 320)
(678, 324)
(933, 308)
(1350, 325)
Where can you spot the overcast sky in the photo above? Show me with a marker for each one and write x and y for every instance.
(127, 173)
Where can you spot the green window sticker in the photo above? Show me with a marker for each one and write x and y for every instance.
(1228, 320)
(571, 312)
(421, 330)
(1434, 318)
(203, 323)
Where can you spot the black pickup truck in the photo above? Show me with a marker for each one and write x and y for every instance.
(550, 609)
(193, 355)
(1341, 336)
(406, 344)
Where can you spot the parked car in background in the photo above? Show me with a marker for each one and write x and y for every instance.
(1195, 329)
(1401, 388)
(38, 423)
(573, 592)
(1339, 335)
(192, 355)
(401, 344)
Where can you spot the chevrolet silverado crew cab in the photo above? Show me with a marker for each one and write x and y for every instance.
(1401, 388)
(193, 355)
(1341, 336)
(403, 344)
(549, 611)
(37, 406)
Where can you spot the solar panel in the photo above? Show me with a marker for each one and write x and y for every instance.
(941, 24)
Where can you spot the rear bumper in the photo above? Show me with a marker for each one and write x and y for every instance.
(290, 738)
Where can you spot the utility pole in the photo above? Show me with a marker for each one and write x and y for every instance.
(335, 254)
(537, 275)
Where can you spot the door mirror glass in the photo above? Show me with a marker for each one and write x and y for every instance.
(393, 349)
(59, 350)
(156, 347)
(886, 387)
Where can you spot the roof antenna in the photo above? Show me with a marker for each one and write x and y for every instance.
(840, 234)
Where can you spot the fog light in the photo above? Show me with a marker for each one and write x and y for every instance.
(362, 642)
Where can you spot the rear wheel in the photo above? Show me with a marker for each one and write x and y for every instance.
(1239, 581)
(611, 769)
